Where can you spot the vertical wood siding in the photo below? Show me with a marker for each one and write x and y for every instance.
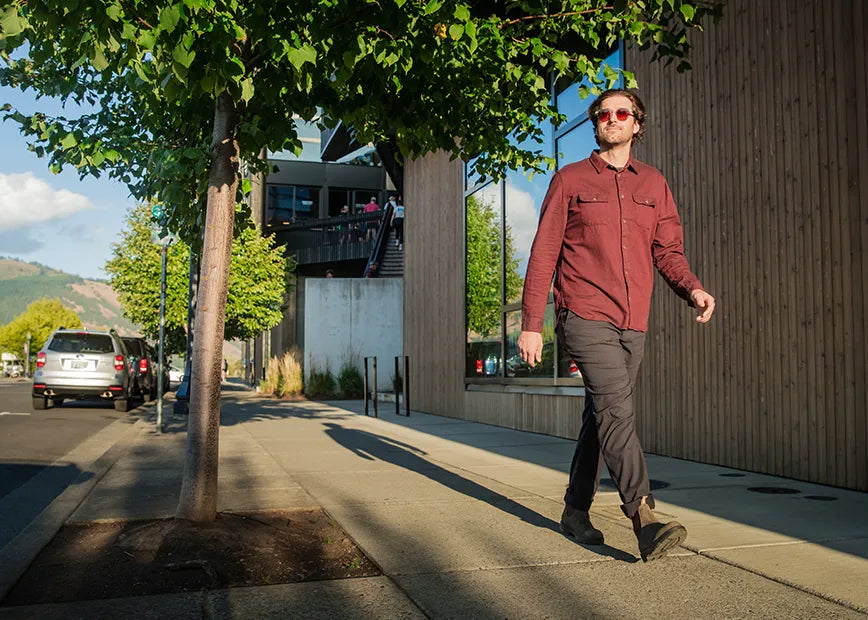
(764, 145)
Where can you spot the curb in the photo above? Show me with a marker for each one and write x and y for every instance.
(20, 552)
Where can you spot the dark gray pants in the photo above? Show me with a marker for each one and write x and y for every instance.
(608, 359)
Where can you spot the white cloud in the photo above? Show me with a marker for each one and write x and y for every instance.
(26, 201)
(522, 218)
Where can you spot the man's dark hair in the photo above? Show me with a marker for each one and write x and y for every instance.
(638, 109)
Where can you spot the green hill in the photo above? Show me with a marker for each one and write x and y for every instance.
(95, 302)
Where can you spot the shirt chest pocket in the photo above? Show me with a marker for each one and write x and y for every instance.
(594, 208)
(643, 210)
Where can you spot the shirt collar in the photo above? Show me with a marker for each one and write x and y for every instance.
(601, 164)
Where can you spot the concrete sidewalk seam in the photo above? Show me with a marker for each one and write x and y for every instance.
(788, 583)
(783, 543)
(20, 552)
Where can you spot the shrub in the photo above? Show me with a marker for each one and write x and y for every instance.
(271, 384)
(291, 373)
(320, 384)
(350, 381)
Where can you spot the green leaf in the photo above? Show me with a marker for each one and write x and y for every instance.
(147, 40)
(114, 12)
(300, 55)
(462, 13)
(433, 6)
(169, 18)
(455, 31)
(98, 60)
(11, 23)
(247, 90)
(183, 56)
(68, 141)
(687, 11)
(245, 186)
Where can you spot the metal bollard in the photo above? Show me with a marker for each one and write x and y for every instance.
(376, 411)
(366, 386)
(405, 386)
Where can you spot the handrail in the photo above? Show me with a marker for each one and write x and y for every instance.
(380, 243)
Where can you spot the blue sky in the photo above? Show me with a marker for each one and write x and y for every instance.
(57, 220)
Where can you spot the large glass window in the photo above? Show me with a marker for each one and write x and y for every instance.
(484, 221)
(286, 204)
(501, 222)
(523, 199)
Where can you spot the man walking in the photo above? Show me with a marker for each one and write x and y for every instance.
(605, 224)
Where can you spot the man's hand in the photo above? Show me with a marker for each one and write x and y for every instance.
(704, 304)
(530, 347)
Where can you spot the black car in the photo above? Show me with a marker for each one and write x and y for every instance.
(143, 363)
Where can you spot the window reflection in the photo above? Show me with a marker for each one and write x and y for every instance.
(483, 281)
(524, 198)
(577, 144)
(517, 367)
(568, 100)
(286, 204)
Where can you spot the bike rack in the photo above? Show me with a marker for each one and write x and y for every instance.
(405, 386)
(376, 410)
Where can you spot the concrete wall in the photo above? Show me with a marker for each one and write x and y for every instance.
(362, 316)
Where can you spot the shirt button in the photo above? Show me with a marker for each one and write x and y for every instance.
(622, 195)
(625, 221)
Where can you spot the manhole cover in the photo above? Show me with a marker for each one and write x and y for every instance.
(732, 475)
(774, 490)
(821, 498)
(655, 484)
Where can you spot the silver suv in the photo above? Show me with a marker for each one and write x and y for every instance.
(82, 364)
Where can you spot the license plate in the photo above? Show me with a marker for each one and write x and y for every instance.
(79, 365)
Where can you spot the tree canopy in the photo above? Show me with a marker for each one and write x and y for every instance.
(40, 318)
(257, 282)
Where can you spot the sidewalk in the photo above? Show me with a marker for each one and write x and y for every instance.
(462, 518)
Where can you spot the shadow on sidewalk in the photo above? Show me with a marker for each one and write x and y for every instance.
(371, 447)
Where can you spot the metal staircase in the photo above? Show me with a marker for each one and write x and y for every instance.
(392, 265)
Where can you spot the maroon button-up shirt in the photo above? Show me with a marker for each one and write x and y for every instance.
(605, 231)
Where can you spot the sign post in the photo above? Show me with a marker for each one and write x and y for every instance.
(161, 235)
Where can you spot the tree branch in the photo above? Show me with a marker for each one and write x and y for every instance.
(528, 18)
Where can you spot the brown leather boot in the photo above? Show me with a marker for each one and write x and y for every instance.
(655, 538)
(577, 525)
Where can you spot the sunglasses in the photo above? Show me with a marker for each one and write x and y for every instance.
(622, 114)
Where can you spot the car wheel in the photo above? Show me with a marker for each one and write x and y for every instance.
(122, 404)
(56, 402)
(40, 402)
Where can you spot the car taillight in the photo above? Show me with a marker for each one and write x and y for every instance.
(119, 362)
(40, 360)
(143, 365)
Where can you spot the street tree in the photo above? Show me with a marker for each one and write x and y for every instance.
(39, 319)
(257, 282)
(424, 75)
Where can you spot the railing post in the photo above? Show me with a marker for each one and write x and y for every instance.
(366, 386)
(376, 412)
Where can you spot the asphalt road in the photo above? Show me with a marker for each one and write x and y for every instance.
(33, 441)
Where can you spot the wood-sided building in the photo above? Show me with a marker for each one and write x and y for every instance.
(765, 146)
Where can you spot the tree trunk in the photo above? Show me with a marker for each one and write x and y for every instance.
(198, 501)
